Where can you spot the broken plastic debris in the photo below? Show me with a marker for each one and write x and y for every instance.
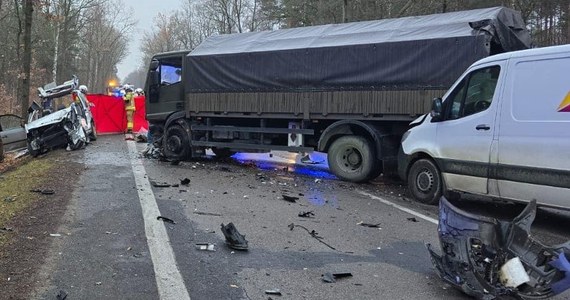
(276, 292)
(165, 219)
(475, 247)
(205, 247)
(185, 181)
(6, 229)
(562, 264)
(369, 225)
(62, 295)
(207, 214)
(54, 234)
(318, 180)
(234, 239)
(288, 198)
(332, 277)
(513, 274)
(43, 191)
(160, 184)
(306, 214)
(234, 286)
(412, 219)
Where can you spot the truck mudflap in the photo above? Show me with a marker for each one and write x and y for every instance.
(489, 258)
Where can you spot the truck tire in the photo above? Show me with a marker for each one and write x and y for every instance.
(424, 182)
(175, 143)
(351, 158)
(222, 152)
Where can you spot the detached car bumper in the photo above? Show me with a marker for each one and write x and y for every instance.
(489, 258)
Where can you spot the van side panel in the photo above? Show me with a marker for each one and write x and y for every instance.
(534, 132)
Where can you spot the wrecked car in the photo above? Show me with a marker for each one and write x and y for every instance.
(488, 258)
(72, 126)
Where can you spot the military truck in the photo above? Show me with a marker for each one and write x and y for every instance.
(349, 90)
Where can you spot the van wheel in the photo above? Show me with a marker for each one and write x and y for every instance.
(424, 181)
(223, 152)
(175, 143)
(350, 158)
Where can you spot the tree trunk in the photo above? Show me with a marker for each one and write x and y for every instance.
(26, 58)
(344, 13)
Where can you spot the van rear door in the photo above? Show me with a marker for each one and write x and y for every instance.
(534, 134)
(465, 135)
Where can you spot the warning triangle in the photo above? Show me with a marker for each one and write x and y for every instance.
(565, 105)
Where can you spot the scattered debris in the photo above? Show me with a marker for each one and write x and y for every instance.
(275, 292)
(9, 199)
(488, 258)
(262, 177)
(234, 239)
(43, 191)
(313, 233)
(205, 247)
(98, 283)
(160, 184)
(141, 138)
(55, 234)
(62, 295)
(413, 219)
(165, 219)
(234, 286)
(307, 160)
(151, 151)
(369, 225)
(6, 229)
(185, 181)
(318, 180)
(207, 214)
(332, 277)
(288, 198)
(307, 214)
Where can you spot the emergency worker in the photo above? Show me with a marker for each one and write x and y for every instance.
(129, 99)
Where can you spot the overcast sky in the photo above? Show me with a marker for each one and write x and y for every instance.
(144, 12)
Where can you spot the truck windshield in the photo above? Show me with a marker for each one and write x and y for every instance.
(170, 74)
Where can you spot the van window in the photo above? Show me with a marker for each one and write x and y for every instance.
(542, 90)
(473, 94)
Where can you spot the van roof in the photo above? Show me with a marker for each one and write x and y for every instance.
(525, 53)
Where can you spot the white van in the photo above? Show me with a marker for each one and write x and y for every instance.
(502, 130)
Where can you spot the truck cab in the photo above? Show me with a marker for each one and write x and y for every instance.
(164, 88)
(500, 131)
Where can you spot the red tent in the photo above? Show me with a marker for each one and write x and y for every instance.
(109, 114)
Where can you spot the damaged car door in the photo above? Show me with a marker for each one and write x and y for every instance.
(12, 132)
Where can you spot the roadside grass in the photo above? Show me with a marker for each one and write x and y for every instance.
(15, 195)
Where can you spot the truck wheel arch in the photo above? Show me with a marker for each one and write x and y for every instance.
(350, 127)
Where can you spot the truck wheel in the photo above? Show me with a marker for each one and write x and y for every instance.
(175, 143)
(350, 158)
(424, 181)
(223, 152)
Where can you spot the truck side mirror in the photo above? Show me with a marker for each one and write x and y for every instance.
(436, 110)
(154, 77)
(153, 65)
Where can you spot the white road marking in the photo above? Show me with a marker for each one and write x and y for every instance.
(405, 209)
(168, 278)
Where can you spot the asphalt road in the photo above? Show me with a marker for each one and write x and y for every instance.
(108, 250)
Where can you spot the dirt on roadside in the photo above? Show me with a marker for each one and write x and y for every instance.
(34, 194)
